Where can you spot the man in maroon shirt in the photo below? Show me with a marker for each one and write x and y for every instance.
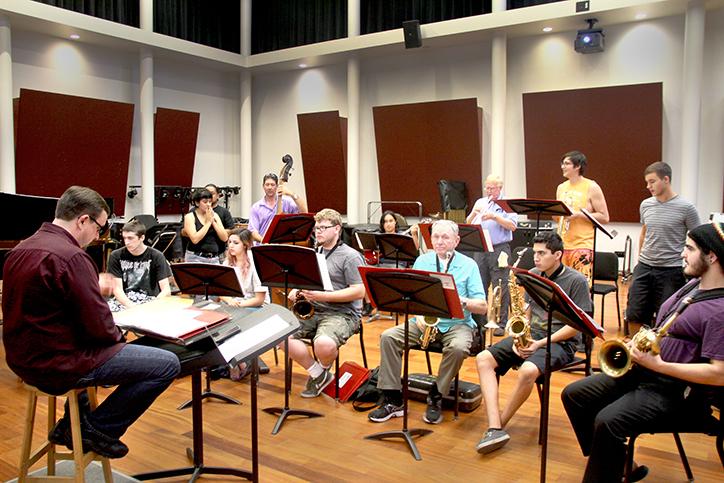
(59, 333)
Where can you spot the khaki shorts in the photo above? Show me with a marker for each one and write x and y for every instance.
(336, 326)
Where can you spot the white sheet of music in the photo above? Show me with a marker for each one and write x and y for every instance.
(245, 340)
(324, 271)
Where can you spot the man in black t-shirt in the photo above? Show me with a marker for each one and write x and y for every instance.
(224, 215)
(139, 272)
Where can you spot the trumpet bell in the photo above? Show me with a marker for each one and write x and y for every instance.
(614, 358)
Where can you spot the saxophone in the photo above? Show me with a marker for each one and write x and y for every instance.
(431, 330)
(302, 308)
(518, 326)
(615, 355)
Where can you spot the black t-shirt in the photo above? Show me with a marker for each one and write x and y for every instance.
(139, 273)
(227, 220)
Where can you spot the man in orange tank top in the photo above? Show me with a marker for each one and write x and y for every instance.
(577, 232)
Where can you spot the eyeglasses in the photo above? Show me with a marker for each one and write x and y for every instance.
(566, 163)
(102, 229)
(320, 229)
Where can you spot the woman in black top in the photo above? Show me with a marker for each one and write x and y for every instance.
(204, 230)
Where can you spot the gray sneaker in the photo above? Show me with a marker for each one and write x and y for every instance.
(316, 386)
(492, 439)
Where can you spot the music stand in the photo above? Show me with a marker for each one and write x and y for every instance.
(287, 266)
(526, 206)
(207, 279)
(597, 226)
(289, 228)
(394, 245)
(549, 295)
(407, 291)
(474, 239)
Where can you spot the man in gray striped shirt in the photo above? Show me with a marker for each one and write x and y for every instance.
(666, 219)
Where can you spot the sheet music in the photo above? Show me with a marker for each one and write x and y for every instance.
(324, 271)
(447, 280)
(245, 340)
(488, 240)
(166, 317)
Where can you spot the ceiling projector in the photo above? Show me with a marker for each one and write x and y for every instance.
(590, 40)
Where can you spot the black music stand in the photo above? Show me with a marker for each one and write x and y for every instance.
(527, 206)
(555, 301)
(207, 279)
(289, 228)
(597, 226)
(279, 324)
(474, 239)
(394, 245)
(287, 266)
(405, 292)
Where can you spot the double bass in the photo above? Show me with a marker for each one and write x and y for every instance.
(283, 179)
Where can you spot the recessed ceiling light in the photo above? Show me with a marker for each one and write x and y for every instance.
(641, 16)
(547, 29)
(74, 36)
(302, 66)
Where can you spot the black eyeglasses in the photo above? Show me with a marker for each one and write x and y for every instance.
(102, 229)
(321, 228)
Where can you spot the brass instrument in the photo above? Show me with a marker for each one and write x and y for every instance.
(495, 296)
(614, 356)
(518, 326)
(430, 332)
(302, 308)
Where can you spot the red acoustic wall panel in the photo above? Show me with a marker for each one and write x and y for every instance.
(619, 129)
(68, 140)
(323, 139)
(175, 137)
(419, 144)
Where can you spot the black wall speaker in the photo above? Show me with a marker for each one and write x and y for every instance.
(413, 37)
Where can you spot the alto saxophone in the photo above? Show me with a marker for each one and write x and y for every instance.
(518, 326)
(614, 356)
(431, 330)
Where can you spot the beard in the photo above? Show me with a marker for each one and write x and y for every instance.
(697, 267)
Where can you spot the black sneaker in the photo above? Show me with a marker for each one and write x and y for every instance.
(60, 434)
(433, 413)
(315, 386)
(386, 411)
(93, 440)
(492, 439)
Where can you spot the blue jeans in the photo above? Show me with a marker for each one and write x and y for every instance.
(141, 374)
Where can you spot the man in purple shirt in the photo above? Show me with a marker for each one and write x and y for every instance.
(263, 211)
(604, 411)
(59, 333)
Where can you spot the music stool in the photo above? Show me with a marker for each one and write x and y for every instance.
(28, 456)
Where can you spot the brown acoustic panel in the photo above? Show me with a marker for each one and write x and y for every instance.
(323, 139)
(619, 129)
(174, 149)
(68, 140)
(419, 144)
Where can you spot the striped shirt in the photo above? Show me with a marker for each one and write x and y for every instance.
(666, 226)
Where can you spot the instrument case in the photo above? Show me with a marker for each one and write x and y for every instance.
(469, 395)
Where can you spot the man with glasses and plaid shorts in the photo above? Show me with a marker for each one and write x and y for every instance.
(337, 313)
(263, 211)
(59, 333)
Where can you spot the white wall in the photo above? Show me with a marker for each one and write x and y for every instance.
(640, 52)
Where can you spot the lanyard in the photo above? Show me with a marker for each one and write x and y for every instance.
(449, 262)
(329, 253)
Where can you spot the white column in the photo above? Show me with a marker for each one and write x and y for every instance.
(353, 87)
(691, 106)
(147, 111)
(245, 27)
(498, 94)
(7, 141)
(146, 15)
(353, 18)
(247, 182)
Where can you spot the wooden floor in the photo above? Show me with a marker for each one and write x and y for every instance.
(332, 448)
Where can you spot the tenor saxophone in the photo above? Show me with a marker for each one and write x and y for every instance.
(518, 326)
(430, 332)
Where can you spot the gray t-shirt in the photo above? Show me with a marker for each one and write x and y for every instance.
(666, 226)
(575, 285)
(343, 264)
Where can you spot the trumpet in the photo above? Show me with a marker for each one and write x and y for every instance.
(302, 308)
(614, 356)
(430, 332)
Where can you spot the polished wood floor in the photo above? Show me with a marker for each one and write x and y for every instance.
(332, 448)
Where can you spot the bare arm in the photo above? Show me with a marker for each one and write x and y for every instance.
(165, 286)
(598, 203)
(642, 237)
(219, 228)
(190, 228)
(120, 294)
(349, 294)
(476, 306)
(256, 301)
